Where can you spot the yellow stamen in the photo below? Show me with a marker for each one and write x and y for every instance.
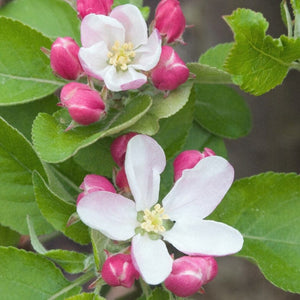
(153, 220)
(121, 55)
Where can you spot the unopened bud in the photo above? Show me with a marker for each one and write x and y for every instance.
(119, 146)
(169, 20)
(189, 273)
(188, 160)
(64, 58)
(85, 105)
(92, 183)
(119, 270)
(170, 72)
(100, 7)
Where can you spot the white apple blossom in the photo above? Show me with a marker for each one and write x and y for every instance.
(193, 197)
(116, 48)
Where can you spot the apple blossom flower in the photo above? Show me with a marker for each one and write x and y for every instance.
(178, 220)
(116, 48)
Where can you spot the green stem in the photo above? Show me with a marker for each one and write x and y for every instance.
(288, 20)
(79, 281)
(145, 288)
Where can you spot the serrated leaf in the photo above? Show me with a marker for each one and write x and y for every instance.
(57, 212)
(209, 75)
(54, 144)
(216, 56)
(25, 73)
(8, 237)
(222, 111)
(85, 296)
(97, 158)
(258, 62)
(18, 161)
(21, 116)
(70, 261)
(265, 209)
(61, 18)
(25, 275)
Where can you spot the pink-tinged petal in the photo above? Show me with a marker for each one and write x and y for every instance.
(100, 28)
(132, 20)
(94, 60)
(123, 80)
(199, 190)
(144, 161)
(110, 213)
(201, 237)
(147, 56)
(151, 259)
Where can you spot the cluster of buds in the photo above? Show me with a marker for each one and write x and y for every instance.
(190, 273)
(118, 151)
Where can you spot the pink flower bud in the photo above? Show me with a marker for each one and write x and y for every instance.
(92, 183)
(170, 72)
(85, 105)
(188, 160)
(121, 181)
(64, 58)
(169, 20)
(189, 274)
(100, 7)
(119, 146)
(119, 270)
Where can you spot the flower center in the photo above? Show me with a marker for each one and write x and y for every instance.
(154, 219)
(121, 55)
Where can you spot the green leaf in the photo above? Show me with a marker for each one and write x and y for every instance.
(57, 212)
(25, 73)
(258, 62)
(209, 75)
(199, 138)
(21, 116)
(54, 144)
(174, 130)
(148, 124)
(18, 160)
(222, 111)
(216, 56)
(97, 158)
(70, 261)
(61, 18)
(8, 237)
(86, 296)
(265, 209)
(159, 294)
(25, 275)
(296, 11)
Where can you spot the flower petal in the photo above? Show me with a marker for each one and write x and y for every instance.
(112, 214)
(94, 60)
(144, 161)
(100, 28)
(147, 56)
(132, 20)
(193, 236)
(123, 80)
(199, 190)
(151, 259)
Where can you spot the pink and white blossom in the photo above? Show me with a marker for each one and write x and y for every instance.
(177, 220)
(116, 48)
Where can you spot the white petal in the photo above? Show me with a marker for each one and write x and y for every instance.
(123, 80)
(94, 60)
(147, 56)
(100, 28)
(132, 20)
(199, 190)
(144, 161)
(112, 214)
(151, 259)
(193, 236)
